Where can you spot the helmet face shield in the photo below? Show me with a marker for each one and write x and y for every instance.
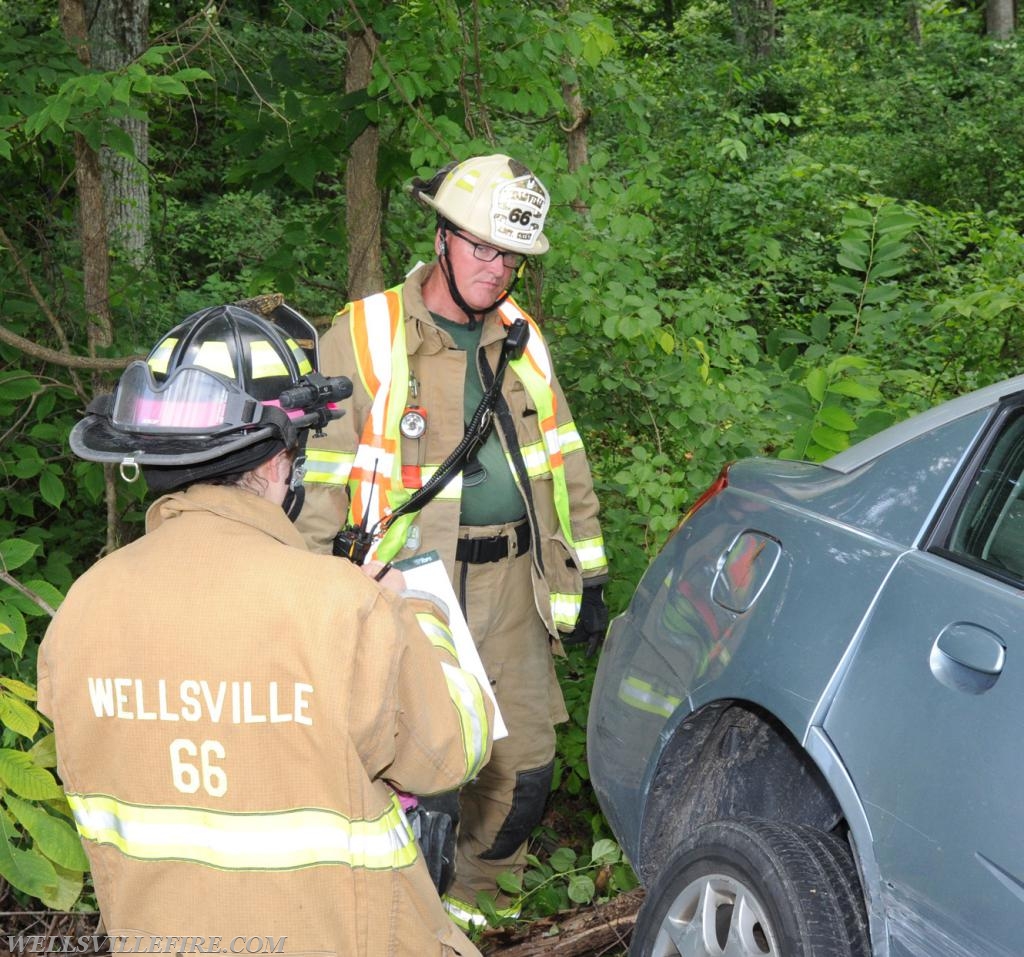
(192, 400)
(209, 399)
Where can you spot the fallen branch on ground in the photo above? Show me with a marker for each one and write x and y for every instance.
(602, 929)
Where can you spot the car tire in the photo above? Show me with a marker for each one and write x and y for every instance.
(751, 887)
(842, 874)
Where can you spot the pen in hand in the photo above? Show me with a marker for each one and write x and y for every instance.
(385, 568)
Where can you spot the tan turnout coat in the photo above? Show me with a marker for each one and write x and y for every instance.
(229, 709)
(437, 373)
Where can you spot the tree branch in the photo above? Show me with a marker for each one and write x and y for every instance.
(44, 307)
(28, 593)
(64, 359)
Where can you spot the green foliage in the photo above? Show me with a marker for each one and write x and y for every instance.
(563, 880)
(40, 852)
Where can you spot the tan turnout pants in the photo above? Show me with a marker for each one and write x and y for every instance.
(506, 801)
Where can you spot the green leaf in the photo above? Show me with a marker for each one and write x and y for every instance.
(68, 890)
(44, 752)
(857, 217)
(25, 778)
(891, 249)
(857, 265)
(581, 889)
(548, 900)
(831, 439)
(815, 384)
(837, 418)
(605, 851)
(18, 716)
(93, 481)
(118, 141)
(28, 466)
(787, 357)
(485, 904)
(857, 246)
(51, 488)
(624, 878)
(875, 421)
(855, 389)
(13, 632)
(18, 386)
(877, 294)
(893, 222)
(563, 859)
(842, 307)
(191, 74)
(885, 270)
(28, 871)
(52, 596)
(842, 363)
(846, 284)
(509, 883)
(54, 837)
(19, 688)
(15, 552)
(820, 327)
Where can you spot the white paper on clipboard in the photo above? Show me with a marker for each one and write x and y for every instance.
(427, 573)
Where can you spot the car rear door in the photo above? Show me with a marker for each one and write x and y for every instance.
(928, 718)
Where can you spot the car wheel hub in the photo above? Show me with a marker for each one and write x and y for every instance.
(715, 916)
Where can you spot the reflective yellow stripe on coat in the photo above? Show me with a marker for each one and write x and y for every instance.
(465, 693)
(374, 473)
(234, 841)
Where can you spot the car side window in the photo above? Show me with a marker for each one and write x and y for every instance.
(989, 529)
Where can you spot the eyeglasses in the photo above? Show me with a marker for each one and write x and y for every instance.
(488, 254)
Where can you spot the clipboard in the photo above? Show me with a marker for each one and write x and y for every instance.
(426, 572)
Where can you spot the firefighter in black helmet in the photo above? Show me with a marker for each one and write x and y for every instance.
(233, 713)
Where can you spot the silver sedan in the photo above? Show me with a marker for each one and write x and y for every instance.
(805, 729)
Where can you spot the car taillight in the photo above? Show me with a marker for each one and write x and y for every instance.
(712, 490)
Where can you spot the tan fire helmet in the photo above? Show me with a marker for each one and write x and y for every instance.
(495, 198)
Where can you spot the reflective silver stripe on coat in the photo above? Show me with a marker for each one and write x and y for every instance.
(468, 698)
(271, 841)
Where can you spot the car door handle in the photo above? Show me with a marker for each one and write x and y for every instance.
(967, 657)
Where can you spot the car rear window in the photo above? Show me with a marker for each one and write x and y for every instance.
(988, 531)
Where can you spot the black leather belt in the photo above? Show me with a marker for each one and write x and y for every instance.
(480, 551)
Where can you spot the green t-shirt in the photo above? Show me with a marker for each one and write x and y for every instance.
(489, 492)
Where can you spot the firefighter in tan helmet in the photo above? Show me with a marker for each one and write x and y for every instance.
(448, 368)
(233, 713)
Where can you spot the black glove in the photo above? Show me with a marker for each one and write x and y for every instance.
(592, 622)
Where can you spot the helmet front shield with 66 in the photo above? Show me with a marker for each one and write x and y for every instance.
(495, 198)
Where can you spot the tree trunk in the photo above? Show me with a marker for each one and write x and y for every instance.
(754, 26)
(91, 217)
(1000, 21)
(914, 22)
(668, 15)
(577, 146)
(118, 34)
(362, 195)
(92, 224)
